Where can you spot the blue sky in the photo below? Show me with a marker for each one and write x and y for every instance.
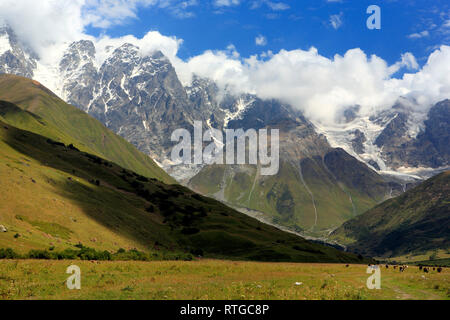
(407, 26)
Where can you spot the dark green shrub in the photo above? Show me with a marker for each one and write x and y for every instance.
(197, 252)
(8, 254)
(198, 197)
(142, 179)
(203, 213)
(137, 185)
(190, 231)
(131, 255)
(39, 254)
(85, 253)
(67, 254)
(72, 147)
(187, 220)
(92, 254)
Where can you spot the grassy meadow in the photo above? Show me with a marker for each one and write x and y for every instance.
(213, 279)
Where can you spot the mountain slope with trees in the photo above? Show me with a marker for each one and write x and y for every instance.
(415, 222)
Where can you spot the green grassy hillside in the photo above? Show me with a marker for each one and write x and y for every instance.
(313, 199)
(51, 117)
(415, 222)
(53, 195)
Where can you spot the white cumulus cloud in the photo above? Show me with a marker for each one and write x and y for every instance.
(419, 35)
(323, 88)
(261, 40)
(226, 3)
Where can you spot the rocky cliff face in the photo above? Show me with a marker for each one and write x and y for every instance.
(429, 148)
(436, 136)
(138, 97)
(397, 140)
(14, 58)
(79, 73)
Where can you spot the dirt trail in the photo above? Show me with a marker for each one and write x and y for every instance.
(412, 296)
(402, 295)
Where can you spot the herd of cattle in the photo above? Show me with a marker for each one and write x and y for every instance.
(422, 268)
(403, 268)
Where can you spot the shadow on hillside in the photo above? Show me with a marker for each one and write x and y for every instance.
(122, 198)
(109, 203)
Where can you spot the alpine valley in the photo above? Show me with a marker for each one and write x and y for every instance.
(329, 174)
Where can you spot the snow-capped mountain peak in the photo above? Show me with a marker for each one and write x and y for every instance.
(14, 58)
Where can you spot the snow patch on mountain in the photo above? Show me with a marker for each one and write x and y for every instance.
(358, 137)
(342, 135)
(241, 105)
(4, 43)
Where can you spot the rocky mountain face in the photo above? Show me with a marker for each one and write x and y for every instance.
(327, 174)
(397, 140)
(14, 59)
(138, 97)
(430, 148)
(437, 134)
(79, 72)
